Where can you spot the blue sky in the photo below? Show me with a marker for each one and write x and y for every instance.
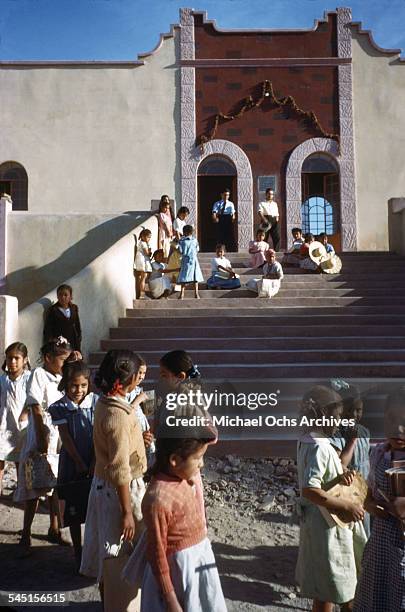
(120, 29)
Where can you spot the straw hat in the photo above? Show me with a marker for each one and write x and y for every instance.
(317, 252)
(331, 265)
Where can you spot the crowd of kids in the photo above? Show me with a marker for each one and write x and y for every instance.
(88, 454)
(174, 265)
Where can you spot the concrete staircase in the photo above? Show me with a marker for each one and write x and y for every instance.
(318, 326)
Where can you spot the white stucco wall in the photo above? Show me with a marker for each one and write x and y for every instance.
(43, 250)
(102, 290)
(91, 138)
(379, 122)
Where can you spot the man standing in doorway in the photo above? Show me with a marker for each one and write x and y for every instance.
(223, 213)
(269, 218)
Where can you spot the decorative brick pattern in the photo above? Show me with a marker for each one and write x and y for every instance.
(192, 156)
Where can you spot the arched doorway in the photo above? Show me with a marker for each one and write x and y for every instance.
(321, 197)
(14, 181)
(215, 173)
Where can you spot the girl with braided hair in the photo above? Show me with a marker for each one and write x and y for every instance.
(114, 509)
(329, 556)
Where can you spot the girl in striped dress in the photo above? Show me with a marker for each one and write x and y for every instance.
(381, 586)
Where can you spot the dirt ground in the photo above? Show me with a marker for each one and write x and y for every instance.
(251, 526)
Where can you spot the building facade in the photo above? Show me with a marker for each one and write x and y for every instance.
(315, 114)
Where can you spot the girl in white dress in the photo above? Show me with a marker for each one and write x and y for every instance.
(272, 272)
(42, 437)
(13, 394)
(143, 264)
(159, 284)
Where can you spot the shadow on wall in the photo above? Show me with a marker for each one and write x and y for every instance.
(30, 283)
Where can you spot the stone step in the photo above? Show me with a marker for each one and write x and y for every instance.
(350, 255)
(262, 318)
(242, 371)
(289, 291)
(244, 343)
(130, 329)
(352, 272)
(255, 304)
(267, 356)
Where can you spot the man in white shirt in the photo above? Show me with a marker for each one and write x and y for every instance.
(269, 218)
(223, 213)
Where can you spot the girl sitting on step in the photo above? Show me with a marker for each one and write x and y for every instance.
(257, 250)
(159, 283)
(269, 284)
(293, 257)
(222, 275)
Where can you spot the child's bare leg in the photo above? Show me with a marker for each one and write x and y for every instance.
(142, 284)
(76, 535)
(2, 464)
(30, 508)
(17, 466)
(54, 518)
(322, 606)
(196, 294)
(183, 287)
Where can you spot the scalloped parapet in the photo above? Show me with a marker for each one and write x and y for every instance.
(357, 27)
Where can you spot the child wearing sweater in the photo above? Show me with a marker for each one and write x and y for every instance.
(181, 573)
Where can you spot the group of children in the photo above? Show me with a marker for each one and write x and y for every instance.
(361, 569)
(97, 478)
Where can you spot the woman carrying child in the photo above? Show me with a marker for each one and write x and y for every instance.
(257, 249)
(165, 225)
(13, 394)
(62, 319)
(269, 284)
(222, 275)
(293, 257)
(381, 584)
(143, 266)
(42, 437)
(159, 283)
(190, 271)
(114, 508)
(73, 414)
(329, 557)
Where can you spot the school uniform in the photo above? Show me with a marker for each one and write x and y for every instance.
(219, 279)
(74, 488)
(178, 225)
(13, 394)
(190, 271)
(225, 210)
(42, 390)
(329, 557)
(63, 322)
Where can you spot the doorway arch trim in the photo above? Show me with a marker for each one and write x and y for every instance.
(238, 157)
(346, 179)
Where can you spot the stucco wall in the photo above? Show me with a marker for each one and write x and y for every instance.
(102, 290)
(379, 120)
(44, 250)
(91, 138)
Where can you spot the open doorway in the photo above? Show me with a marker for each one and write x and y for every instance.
(321, 197)
(214, 175)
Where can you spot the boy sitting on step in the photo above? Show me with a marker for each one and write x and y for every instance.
(292, 258)
(222, 274)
